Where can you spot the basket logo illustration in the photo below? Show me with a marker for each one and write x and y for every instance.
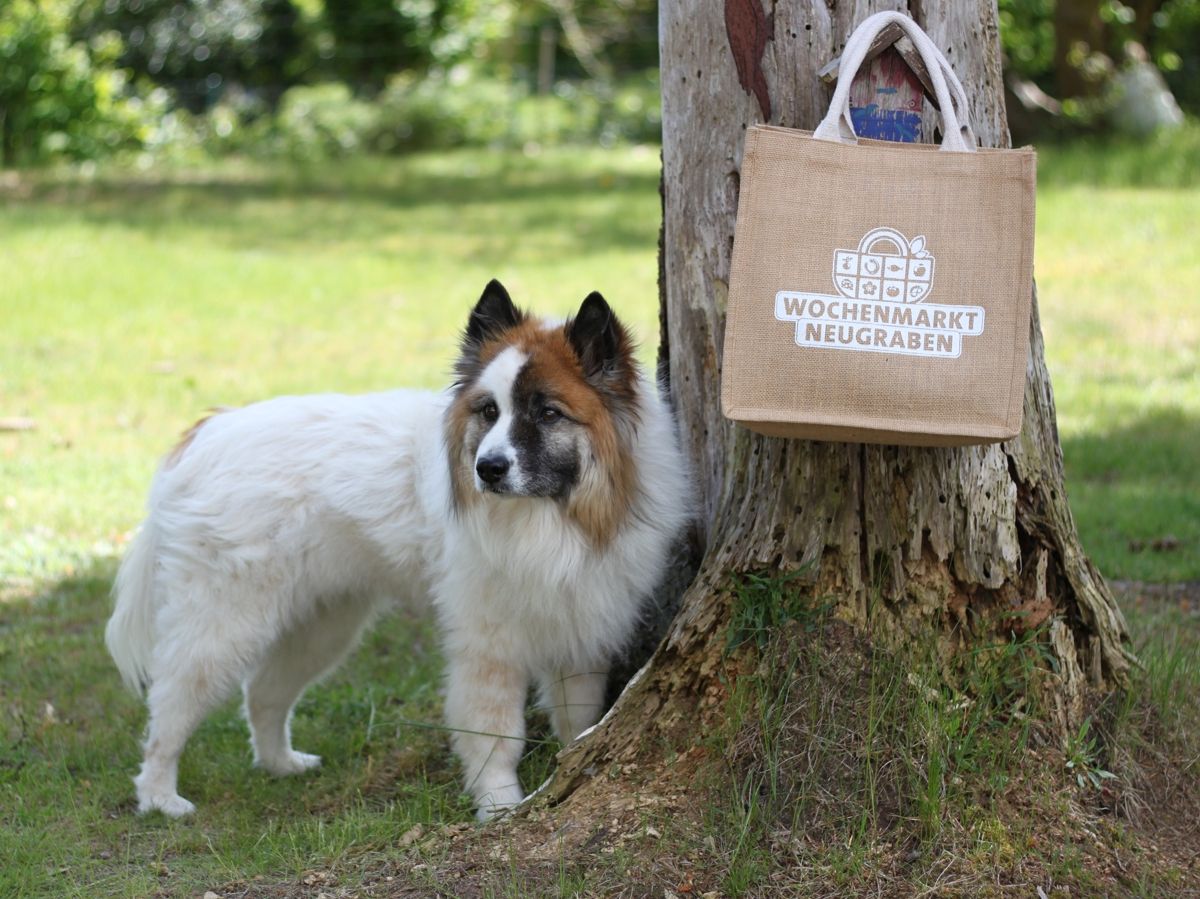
(878, 306)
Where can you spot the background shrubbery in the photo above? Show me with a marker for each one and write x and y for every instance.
(1071, 48)
(318, 79)
(438, 110)
(63, 97)
(313, 79)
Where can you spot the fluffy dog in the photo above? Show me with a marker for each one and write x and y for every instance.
(534, 503)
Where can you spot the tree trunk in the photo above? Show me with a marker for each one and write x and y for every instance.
(935, 545)
(1143, 17)
(1078, 34)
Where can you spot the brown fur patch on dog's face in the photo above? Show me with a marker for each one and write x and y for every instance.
(580, 452)
(462, 439)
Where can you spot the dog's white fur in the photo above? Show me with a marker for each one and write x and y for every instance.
(282, 528)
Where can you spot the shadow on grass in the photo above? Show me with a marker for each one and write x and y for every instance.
(1135, 494)
(56, 670)
(1166, 160)
(253, 205)
(69, 745)
(67, 604)
(55, 678)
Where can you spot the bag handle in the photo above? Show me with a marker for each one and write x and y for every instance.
(837, 124)
(962, 109)
(873, 237)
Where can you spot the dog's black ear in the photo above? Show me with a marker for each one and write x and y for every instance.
(596, 335)
(493, 314)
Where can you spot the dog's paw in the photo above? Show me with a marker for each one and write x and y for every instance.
(495, 803)
(173, 806)
(292, 763)
(483, 814)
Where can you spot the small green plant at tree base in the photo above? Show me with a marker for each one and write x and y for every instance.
(1082, 759)
(834, 735)
(763, 602)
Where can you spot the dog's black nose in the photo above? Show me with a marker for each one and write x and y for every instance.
(491, 469)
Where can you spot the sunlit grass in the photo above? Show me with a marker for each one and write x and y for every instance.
(130, 305)
(1117, 273)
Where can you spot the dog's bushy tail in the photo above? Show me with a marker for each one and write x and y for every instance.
(130, 631)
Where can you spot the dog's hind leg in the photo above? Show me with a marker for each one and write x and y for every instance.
(300, 656)
(187, 682)
(574, 697)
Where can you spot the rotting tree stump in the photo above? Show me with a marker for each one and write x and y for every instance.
(941, 546)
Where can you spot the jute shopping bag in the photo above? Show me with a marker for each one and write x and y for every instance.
(880, 292)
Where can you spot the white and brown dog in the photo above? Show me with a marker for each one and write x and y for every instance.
(534, 503)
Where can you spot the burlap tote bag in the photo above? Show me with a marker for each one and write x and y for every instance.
(880, 292)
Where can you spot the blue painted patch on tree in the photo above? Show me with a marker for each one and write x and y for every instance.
(886, 124)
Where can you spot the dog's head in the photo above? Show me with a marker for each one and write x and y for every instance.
(545, 410)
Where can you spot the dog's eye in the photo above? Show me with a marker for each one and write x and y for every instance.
(549, 415)
(490, 412)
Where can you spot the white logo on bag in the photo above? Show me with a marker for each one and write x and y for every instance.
(878, 308)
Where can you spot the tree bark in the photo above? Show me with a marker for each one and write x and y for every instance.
(937, 545)
(1078, 33)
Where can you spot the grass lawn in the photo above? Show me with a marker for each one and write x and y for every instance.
(1119, 280)
(130, 303)
(133, 303)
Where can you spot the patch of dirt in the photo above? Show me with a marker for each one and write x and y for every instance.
(629, 834)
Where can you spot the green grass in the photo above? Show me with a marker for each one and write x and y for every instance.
(132, 302)
(69, 746)
(838, 756)
(1117, 272)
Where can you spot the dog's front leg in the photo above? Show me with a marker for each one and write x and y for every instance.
(485, 707)
(574, 697)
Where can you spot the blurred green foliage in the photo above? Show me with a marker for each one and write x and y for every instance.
(1027, 36)
(314, 79)
(1177, 51)
(83, 79)
(60, 97)
(198, 48)
(458, 108)
(1169, 30)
